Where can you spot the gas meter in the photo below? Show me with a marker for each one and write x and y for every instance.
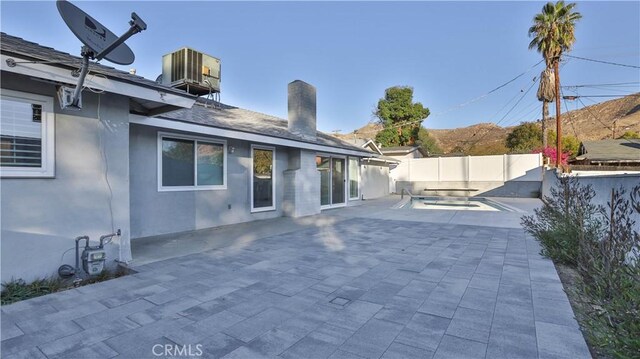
(93, 260)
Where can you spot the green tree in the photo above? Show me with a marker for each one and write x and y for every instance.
(427, 142)
(630, 135)
(570, 144)
(553, 32)
(525, 138)
(400, 117)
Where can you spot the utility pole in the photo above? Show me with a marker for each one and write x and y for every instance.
(558, 125)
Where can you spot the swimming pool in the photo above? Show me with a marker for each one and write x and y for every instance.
(457, 204)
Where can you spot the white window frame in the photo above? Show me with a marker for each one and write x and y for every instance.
(357, 197)
(273, 176)
(47, 157)
(195, 139)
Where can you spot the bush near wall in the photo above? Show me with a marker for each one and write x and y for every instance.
(601, 244)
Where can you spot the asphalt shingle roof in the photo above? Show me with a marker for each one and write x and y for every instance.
(239, 119)
(12, 45)
(611, 150)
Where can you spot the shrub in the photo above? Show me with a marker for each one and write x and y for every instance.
(602, 244)
(17, 290)
(551, 154)
(564, 220)
(611, 277)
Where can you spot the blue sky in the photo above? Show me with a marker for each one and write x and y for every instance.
(449, 52)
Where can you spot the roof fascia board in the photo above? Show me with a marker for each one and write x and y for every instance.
(239, 135)
(100, 82)
(373, 144)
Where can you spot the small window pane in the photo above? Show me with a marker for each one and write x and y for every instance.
(20, 134)
(210, 164)
(262, 178)
(177, 162)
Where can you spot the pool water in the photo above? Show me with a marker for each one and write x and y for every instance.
(457, 204)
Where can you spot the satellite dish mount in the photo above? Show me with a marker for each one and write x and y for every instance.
(99, 43)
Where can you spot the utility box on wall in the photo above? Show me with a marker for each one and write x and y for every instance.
(192, 71)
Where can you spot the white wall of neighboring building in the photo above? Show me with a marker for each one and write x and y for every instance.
(375, 180)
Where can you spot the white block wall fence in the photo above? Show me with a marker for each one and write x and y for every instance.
(601, 183)
(500, 176)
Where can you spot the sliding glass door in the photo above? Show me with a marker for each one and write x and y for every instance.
(332, 180)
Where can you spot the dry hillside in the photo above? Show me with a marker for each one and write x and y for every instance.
(595, 122)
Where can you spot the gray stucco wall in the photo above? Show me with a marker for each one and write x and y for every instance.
(301, 184)
(155, 213)
(41, 216)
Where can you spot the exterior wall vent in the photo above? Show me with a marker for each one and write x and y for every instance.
(192, 71)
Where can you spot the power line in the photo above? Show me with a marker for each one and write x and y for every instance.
(490, 92)
(592, 115)
(472, 100)
(621, 95)
(602, 62)
(566, 108)
(486, 133)
(608, 84)
(505, 115)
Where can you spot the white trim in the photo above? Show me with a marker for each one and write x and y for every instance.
(47, 145)
(374, 146)
(245, 136)
(99, 82)
(273, 179)
(357, 197)
(195, 140)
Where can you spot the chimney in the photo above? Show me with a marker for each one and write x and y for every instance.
(302, 109)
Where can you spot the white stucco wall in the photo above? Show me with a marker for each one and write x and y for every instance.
(374, 181)
(601, 183)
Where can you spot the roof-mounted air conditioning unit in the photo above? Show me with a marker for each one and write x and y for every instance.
(192, 71)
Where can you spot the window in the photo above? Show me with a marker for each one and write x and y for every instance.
(354, 178)
(262, 179)
(187, 163)
(26, 135)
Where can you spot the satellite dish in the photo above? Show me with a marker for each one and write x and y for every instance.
(99, 43)
(93, 34)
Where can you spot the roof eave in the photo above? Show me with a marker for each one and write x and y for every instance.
(208, 129)
(60, 73)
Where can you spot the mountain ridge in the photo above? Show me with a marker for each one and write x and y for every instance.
(599, 121)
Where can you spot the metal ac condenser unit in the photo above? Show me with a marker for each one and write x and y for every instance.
(192, 71)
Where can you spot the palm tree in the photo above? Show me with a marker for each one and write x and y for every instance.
(553, 33)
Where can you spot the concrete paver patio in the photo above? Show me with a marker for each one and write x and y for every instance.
(357, 284)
